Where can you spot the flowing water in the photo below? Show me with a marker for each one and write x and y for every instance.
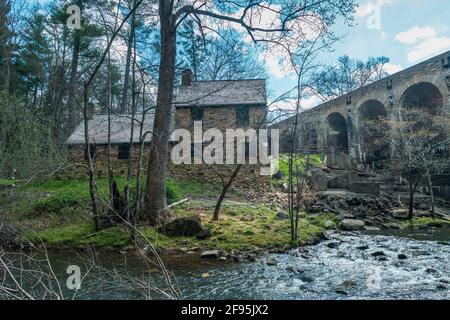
(344, 267)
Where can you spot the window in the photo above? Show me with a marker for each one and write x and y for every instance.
(124, 152)
(92, 152)
(242, 116)
(197, 113)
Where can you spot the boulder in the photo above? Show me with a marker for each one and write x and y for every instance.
(373, 229)
(271, 262)
(402, 256)
(247, 218)
(281, 215)
(352, 224)
(318, 180)
(400, 214)
(378, 254)
(182, 227)
(204, 234)
(278, 176)
(210, 254)
(333, 245)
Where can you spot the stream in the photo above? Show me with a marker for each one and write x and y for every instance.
(406, 264)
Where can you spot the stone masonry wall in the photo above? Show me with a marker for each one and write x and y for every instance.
(221, 118)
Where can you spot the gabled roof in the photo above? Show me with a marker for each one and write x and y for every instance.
(120, 129)
(222, 93)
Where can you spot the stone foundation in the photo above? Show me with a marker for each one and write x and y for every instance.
(248, 178)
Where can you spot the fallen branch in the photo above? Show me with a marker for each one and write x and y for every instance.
(178, 203)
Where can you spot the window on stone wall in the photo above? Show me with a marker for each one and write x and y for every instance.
(123, 152)
(197, 113)
(92, 152)
(242, 116)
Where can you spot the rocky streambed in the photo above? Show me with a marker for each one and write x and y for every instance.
(401, 264)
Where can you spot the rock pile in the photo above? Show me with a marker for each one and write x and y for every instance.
(355, 206)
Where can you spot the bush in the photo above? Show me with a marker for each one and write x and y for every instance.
(173, 191)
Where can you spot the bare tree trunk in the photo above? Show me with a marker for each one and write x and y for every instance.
(141, 151)
(110, 166)
(155, 195)
(73, 114)
(129, 214)
(430, 186)
(89, 158)
(224, 192)
(123, 101)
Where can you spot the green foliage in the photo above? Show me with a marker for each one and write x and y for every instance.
(315, 160)
(173, 191)
(26, 147)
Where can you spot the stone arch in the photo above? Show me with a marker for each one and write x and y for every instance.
(337, 132)
(373, 146)
(428, 101)
(435, 80)
(372, 110)
(423, 95)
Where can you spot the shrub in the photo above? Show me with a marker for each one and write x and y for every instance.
(173, 191)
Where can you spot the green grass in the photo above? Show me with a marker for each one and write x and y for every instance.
(316, 160)
(59, 213)
(7, 182)
(424, 222)
(231, 232)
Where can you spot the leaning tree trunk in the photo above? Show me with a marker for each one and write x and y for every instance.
(224, 192)
(155, 194)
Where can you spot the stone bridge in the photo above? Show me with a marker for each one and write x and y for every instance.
(336, 128)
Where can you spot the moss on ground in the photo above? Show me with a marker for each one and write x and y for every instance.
(58, 214)
(425, 222)
(7, 182)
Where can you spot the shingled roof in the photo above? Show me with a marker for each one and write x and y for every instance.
(120, 129)
(222, 93)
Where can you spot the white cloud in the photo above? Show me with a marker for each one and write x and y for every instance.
(392, 68)
(428, 48)
(415, 34)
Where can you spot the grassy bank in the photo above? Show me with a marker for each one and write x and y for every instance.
(58, 214)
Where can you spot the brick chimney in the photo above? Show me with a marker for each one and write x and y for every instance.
(186, 77)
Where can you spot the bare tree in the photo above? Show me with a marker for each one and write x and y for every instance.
(348, 74)
(420, 140)
(286, 29)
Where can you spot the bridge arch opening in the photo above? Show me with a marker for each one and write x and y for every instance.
(373, 144)
(337, 132)
(424, 96)
(423, 106)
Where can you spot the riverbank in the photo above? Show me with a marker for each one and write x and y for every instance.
(56, 214)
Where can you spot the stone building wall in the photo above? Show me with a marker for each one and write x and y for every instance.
(221, 118)
(248, 177)
(76, 157)
(218, 117)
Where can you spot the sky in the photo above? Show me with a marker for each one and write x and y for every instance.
(406, 31)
